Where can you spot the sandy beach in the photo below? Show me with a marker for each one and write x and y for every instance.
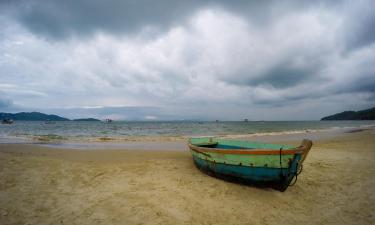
(43, 185)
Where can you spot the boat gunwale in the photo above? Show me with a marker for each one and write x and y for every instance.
(249, 151)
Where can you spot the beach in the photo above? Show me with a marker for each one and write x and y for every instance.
(55, 185)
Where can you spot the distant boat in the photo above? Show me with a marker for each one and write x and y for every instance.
(108, 120)
(7, 121)
(246, 120)
(250, 162)
(49, 122)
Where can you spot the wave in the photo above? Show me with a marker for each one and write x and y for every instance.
(61, 135)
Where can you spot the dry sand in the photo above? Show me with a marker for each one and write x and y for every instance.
(40, 185)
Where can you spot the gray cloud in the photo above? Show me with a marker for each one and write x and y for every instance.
(5, 102)
(204, 59)
(282, 76)
(359, 24)
(362, 83)
(61, 19)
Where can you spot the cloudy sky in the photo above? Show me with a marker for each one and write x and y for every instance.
(168, 59)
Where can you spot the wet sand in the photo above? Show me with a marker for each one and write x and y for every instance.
(43, 185)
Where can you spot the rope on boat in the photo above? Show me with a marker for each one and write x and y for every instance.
(295, 180)
(295, 175)
(300, 169)
(298, 172)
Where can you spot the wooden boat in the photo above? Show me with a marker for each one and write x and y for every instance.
(7, 121)
(250, 162)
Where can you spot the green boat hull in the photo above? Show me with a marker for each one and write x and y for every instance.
(252, 163)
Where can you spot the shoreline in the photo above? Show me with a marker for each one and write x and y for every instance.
(43, 185)
(165, 147)
(171, 143)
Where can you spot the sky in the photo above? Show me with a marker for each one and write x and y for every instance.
(187, 60)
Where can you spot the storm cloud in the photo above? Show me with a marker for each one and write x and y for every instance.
(188, 59)
(5, 103)
(61, 19)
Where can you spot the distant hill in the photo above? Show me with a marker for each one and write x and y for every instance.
(87, 120)
(31, 116)
(367, 114)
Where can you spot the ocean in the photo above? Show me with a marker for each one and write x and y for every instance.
(124, 130)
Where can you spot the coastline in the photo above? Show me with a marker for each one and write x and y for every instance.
(43, 185)
(171, 143)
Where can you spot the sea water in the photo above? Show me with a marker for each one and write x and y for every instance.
(120, 130)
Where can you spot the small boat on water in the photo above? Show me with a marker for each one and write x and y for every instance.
(108, 121)
(7, 121)
(49, 122)
(250, 162)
